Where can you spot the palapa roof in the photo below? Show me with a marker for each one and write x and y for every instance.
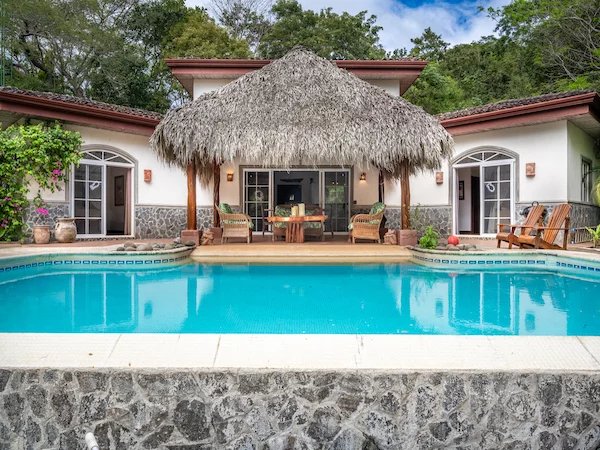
(302, 110)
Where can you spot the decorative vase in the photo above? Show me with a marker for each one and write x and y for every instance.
(41, 234)
(407, 237)
(65, 230)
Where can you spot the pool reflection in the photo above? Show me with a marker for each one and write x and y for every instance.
(301, 299)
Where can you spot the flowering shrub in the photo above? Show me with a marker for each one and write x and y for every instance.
(32, 153)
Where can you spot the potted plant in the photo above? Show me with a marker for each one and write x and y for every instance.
(408, 236)
(41, 233)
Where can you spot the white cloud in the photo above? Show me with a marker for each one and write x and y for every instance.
(457, 22)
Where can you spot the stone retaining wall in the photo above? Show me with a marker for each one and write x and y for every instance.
(155, 222)
(131, 409)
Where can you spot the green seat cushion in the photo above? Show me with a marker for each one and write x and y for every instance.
(313, 225)
(371, 222)
(281, 211)
(225, 208)
(232, 222)
(377, 208)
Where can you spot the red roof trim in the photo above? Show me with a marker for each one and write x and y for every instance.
(533, 113)
(23, 103)
(181, 63)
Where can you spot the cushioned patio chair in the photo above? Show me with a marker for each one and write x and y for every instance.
(366, 226)
(544, 236)
(506, 232)
(234, 225)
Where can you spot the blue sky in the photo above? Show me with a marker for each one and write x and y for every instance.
(456, 20)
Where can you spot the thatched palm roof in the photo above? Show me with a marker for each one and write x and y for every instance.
(302, 109)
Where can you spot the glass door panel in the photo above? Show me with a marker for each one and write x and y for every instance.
(336, 200)
(256, 196)
(88, 198)
(497, 201)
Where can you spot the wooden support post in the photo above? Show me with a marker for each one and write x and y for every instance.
(405, 193)
(191, 198)
(216, 193)
(381, 191)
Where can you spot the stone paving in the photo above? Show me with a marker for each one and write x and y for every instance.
(269, 410)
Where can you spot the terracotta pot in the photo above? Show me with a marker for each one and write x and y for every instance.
(65, 230)
(217, 232)
(407, 237)
(41, 234)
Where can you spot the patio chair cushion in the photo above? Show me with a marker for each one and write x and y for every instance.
(377, 208)
(233, 222)
(224, 207)
(281, 211)
(371, 222)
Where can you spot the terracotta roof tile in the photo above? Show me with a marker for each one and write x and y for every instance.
(82, 101)
(507, 104)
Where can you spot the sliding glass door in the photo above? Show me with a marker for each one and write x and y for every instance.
(336, 199)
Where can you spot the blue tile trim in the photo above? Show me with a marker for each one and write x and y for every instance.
(505, 262)
(93, 262)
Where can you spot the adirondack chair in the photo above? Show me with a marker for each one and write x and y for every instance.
(544, 237)
(506, 232)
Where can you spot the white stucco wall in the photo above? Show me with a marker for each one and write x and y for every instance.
(201, 86)
(580, 145)
(390, 86)
(168, 186)
(544, 144)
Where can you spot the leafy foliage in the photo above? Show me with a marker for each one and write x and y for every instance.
(328, 34)
(32, 153)
(595, 233)
(430, 238)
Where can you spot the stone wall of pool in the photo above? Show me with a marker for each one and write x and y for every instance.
(131, 409)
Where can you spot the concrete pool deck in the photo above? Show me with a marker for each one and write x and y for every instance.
(264, 351)
(303, 352)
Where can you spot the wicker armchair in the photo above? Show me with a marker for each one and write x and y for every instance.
(235, 225)
(366, 226)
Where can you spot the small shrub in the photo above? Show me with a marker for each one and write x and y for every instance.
(430, 238)
(595, 234)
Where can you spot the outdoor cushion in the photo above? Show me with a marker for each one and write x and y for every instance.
(281, 211)
(371, 222)
(232, 222)
(377, 208)
(224, 207)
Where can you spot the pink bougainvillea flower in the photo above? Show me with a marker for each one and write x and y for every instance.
(57, 172)
(42, 211)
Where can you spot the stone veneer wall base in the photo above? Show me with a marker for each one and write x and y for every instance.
(277, 410)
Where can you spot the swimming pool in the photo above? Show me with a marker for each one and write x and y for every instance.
(270, 299)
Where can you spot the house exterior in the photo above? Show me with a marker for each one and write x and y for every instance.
(507, 155)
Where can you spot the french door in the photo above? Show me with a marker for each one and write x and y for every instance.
(336, 199)
(496, 189)
(88, 198)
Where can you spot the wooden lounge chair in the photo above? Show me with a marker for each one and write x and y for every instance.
(235, 225)
(544, 236)
(366, 226)
(505, 231)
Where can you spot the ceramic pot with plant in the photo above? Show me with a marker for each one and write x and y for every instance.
(41, 233)
(595, 233)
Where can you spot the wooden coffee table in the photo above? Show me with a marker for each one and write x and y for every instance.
(294, 231)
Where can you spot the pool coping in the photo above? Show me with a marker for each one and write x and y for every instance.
(302, 352)
(306, 351)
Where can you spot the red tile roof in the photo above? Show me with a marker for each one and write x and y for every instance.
(109, 107)
(509, 104)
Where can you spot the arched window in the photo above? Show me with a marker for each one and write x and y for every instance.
(483, 156)
(106, 156)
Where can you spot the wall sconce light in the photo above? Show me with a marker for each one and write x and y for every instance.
(439, 178)
(530, 169)
(363, 176)
(147, 175)
(229, 176)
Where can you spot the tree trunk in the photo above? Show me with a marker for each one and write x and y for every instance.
(191, 198)
(405, 192)
(381, 187)
(216, 193)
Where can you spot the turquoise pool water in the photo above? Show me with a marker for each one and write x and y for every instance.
(390, 299)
